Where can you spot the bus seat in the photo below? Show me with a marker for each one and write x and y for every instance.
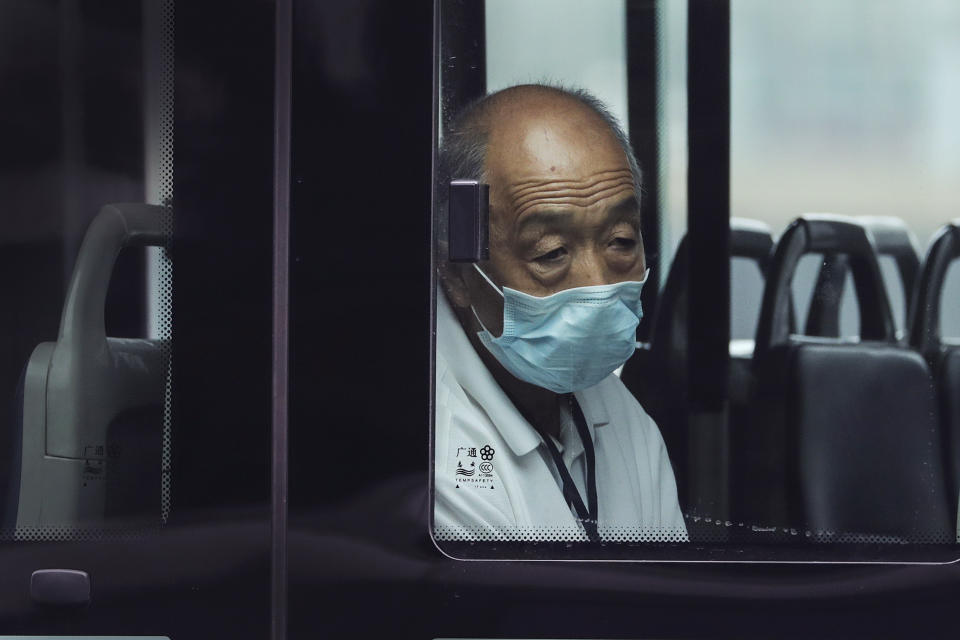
(843, 439)
(89, 424)
(657, 375)
(942, 354)
(891, 237)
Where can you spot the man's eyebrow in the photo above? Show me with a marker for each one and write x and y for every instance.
(628, 208)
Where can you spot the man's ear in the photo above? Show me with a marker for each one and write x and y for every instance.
(451, 277)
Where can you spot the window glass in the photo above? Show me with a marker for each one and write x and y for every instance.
(804, 289)
(834, 108)
(135, 314)
(87, 249)
(839, 109)
(86, 180)
(746, 291)
(895, 290)
(672, 124)
(949, 312)
(562, 42)
(552, 423)
(803, 283)
(552, 142)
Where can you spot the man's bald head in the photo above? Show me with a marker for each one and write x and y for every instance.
(532, 101)
(508, 121)
(504, 110)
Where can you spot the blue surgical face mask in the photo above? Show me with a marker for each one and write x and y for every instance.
(570, 340)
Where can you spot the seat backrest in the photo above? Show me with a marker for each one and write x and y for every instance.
(844, 437)
(657, 375)
(89, 425)
(943, 355)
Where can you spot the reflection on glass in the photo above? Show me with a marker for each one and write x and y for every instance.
(536, 438)
(86, 324)
(839, 424)
(838, 108)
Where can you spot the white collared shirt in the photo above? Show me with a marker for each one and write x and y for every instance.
(495, 479)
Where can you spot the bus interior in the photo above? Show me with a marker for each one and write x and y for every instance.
(219, 297)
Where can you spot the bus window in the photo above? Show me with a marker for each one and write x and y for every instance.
(135, 332)
(571, 403)
(551, 137)
(86, 183)
(90, 397)
(949, 318)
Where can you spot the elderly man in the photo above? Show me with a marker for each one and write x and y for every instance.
(536, 438)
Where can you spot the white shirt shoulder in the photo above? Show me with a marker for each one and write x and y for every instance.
(473, 503)
(634, 430)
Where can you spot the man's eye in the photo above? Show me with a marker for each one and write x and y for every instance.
(552, 256)
(624, 243)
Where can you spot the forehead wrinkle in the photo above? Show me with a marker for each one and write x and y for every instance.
(581, 199)
(623, 211)
(575, 202)
(522, 186)
(557, 190)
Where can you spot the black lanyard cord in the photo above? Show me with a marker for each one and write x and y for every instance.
(587, 516)
(581, 422)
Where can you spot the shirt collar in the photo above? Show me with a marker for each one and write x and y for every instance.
(476, 380)
(592, 405)
(595, 415)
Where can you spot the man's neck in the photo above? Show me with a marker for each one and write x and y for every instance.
(540, 407)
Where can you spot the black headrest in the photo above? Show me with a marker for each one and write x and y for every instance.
(925, 315)
(668, 346)
(891, 237)
(827, 234)
(748, 239)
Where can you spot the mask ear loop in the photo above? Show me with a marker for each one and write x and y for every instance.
(487, 278)
(495, 288)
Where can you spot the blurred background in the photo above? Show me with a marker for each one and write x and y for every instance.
(837, 106)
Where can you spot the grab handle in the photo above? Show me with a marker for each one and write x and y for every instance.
(827, 234)
(115, 227)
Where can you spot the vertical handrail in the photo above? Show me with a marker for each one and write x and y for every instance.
(281, 317)
(708, 230)
(435, 114)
